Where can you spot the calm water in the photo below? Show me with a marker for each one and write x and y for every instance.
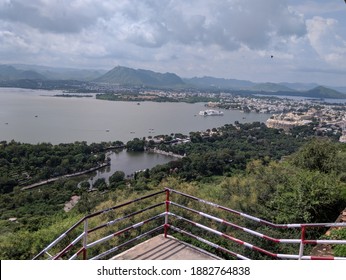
(33, 116)
(130, 162)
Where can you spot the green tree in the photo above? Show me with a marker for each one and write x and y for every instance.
(118, 176)
(136, 145)
(321, 155)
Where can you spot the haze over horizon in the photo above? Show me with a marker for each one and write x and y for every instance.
(257, 40)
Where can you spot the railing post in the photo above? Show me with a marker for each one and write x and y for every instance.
(167, 211)
(85, 239)
(302, 241)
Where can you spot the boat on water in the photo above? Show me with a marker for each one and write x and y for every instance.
(211, 112)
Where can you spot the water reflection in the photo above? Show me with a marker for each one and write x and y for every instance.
(129, 163)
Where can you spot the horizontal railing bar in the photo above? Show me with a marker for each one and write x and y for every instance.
(219, 233)
(77, 253)
(108, 237)
(252, 232)
(68, 247)
(203, 214)
(321, 241)
(123, 204)
(126, 243)
(209, 243)
(93, 215)
(125, 217)
(255, 218)
(236, 240)
(51, 245)
(225, 208)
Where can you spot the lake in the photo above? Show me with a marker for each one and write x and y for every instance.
(129, 163)
(33, 116)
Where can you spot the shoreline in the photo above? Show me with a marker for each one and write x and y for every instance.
(45, 182)
(161, 152)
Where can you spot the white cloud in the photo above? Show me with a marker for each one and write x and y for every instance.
(325, 41)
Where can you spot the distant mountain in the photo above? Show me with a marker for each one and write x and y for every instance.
(30, 76)
(9, 73)
(219, 83)
(324, 92)
(59, 73)
(138, 77)
(317, 92)
(300, 86)
(340, 89)
(271, 87)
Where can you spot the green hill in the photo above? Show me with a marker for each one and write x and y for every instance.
(138, 77)
(212, 82)
(271, 87)
(317, 92)
(60, 73)
(323, 92)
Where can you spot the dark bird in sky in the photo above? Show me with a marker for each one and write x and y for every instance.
(273, 56)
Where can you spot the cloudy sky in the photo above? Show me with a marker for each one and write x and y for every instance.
(220, 38)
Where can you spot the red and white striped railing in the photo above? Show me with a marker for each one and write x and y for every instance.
(86, 231)
(72, 252)
(302, 241)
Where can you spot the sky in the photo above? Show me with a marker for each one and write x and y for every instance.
(257, 40)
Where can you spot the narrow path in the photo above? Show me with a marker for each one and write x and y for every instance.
(41, 183)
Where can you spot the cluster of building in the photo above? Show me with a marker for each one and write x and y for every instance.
(263, 104)
(327, 119)
(178, 94)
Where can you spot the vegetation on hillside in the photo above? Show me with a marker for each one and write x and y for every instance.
(293, 178)
(24, 164)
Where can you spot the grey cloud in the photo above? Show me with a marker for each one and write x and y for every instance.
(56, 16)
(229, 24)
(154, 23)
(252, 23)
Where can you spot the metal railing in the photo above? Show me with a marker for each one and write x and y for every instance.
(161, 217)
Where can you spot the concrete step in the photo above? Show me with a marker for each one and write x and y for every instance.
(161, 248)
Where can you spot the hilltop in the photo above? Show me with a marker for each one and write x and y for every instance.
(139, 77)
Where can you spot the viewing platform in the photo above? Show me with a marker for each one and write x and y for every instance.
(172, 225)
(161, 248)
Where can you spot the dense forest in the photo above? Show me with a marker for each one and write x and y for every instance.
(265, 172)
(23, 164)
